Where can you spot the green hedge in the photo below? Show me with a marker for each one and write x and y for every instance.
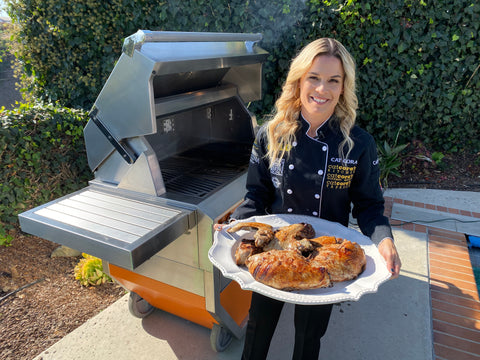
(68, 48)
(418, 69)
(42, 155)
(417, 61)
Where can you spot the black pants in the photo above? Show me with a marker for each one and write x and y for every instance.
(311, 323)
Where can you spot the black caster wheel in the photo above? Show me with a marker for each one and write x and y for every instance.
(138, 306)
(220, 338)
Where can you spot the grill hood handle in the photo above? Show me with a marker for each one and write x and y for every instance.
(127, 154)
(135, 41)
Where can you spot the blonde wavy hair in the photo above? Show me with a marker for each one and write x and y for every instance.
(284, 122)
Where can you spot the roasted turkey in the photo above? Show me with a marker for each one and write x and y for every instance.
(292, 237)
(290, 258)
(287, 270)
(343, 261)
(245, 249)
(325, 240)
(263, 235)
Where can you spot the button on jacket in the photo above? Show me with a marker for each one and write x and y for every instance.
(312, 179)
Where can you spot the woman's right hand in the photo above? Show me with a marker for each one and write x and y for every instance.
(218, 227)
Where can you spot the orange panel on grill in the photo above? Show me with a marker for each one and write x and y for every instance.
(176, 301)
(182, 303)
(236, 302)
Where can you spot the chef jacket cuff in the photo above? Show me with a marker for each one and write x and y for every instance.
(381, 232)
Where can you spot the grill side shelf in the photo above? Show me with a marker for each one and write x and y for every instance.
(122, 230)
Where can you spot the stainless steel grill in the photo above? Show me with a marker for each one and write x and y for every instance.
(169, 142)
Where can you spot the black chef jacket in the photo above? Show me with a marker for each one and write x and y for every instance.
(312, 179)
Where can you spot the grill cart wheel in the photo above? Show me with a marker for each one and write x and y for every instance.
(138, 306)
(220, 338)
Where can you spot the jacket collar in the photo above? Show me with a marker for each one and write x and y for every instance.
(329, 126)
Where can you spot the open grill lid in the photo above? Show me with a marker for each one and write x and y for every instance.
(174, 101)
(163, 65)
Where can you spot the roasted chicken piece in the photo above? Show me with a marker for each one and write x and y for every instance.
(287, 270)
(263, 235)
(292, 237)
(295, 232)
(245, 249)
(325, 240)
(344, 261)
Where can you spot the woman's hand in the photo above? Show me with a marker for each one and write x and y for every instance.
(218, 227)
(387, 249)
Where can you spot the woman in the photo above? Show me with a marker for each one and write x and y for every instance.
(311, 159)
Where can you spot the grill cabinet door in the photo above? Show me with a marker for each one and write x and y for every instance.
(125, 230)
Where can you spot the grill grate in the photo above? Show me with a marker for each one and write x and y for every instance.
(192, 186)
(197, 173)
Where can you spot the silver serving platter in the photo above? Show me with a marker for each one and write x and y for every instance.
(221, 254)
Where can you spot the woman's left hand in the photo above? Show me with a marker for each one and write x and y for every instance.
(387, 249)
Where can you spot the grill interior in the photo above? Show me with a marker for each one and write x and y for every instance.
(203, 169)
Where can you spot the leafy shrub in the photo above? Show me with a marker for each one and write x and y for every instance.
(390, 160)
(68, 49)
(418, 64)
(437, 157)
(42, 155)
(418, 68)
(4, 30)
(5, 238)
(89, 271)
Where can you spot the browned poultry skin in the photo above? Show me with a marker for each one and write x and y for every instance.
(263, 235)
(325, 240)
(244, 250)
(343, 261)
(287, 270)
(292, 237)
(295, 232)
